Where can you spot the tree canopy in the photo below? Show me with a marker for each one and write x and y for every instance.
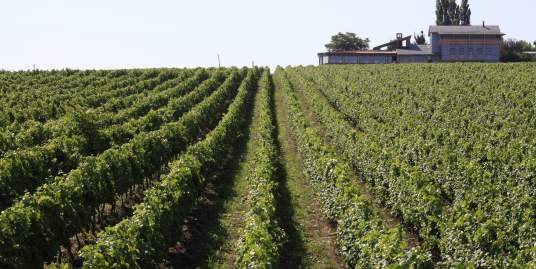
(512, 50)
(420, 39)
(465, 13)
(448, 12)
(347, 42)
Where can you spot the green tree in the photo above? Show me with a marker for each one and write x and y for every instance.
(465, 13)
(445, 10)
(512, 50)
(448, 12)
(420, 39)
(453, 12)
(347, 42)
(440, 19)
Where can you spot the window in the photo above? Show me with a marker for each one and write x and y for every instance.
(480, 51)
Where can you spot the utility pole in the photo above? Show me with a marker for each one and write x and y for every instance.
(219, 65)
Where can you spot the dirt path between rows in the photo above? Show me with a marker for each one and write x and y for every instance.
(213, 228)
(311, 237)
(389, 219)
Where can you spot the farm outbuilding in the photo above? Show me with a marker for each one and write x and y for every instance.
(466, 43)
(410, 54)
(357, 57)
(383, 54)
(415, 54)
(447, 44)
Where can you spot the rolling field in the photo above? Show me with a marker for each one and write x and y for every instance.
(377, 166)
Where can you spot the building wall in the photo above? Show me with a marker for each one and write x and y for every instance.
(484, 53)
(414, 59)
(466, 48)
(435, 43)
(355, 59)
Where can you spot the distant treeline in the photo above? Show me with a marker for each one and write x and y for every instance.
(513, 50)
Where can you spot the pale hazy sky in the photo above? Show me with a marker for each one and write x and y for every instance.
(160, 33)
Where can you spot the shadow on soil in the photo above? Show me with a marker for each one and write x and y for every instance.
(204, 234)
(294, 252)
(203, 231)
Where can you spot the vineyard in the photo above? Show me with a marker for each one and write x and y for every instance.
(380, 166)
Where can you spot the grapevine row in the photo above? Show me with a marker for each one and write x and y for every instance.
(35, 132)
(142, 240)
(362, 238)
(27, 169)
(42, 108)
(414, 191)
(262, 237)
(35, 226)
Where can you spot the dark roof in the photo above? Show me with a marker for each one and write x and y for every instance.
(466, 30)
(392, 42)
(416, 50)
(360, 52)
